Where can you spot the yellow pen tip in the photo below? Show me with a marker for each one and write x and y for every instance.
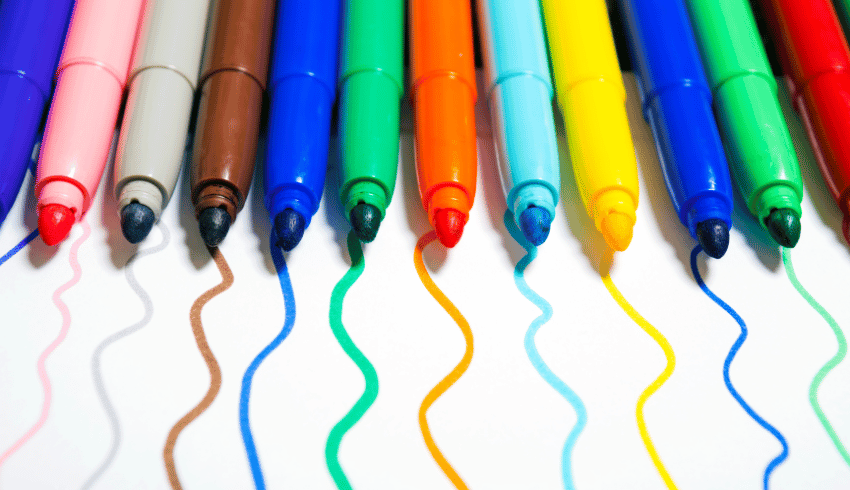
(617, 230)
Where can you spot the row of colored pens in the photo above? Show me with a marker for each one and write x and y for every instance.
(706, 86)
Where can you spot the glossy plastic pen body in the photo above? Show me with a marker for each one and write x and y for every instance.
(161, 89)
(814, 55)
(762, 157)
(302, 90)
(231, 89)
(31, 37)
(592, 98)
(371, 85)
(519, 92)
(90, 83)
(676, 102)
(444, 93)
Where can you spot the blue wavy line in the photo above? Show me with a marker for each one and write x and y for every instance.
(17, 248)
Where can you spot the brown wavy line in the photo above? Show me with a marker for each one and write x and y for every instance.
(209, 358)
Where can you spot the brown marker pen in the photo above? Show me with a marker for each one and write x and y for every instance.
(232, 84)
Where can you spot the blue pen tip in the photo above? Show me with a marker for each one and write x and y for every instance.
(289, 226)
(713, 235)
(535, 224)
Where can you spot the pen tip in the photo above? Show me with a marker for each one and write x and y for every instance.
(617, 229)
(449, 224)
(289, 227)
(365, 219)
(54, 223)
(214, 223)
(137, 220)
(713, 235)
(784, 227)
(535, 224)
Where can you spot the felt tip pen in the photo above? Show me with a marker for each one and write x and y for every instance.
(762, 157)
(31, 37)
(592, 97)
(519, 91)
(815, 57)
(161, 89)
(444, 93)
(371, 85)
(676, 102)
(231, 89)
(302, 91)
(89, 86)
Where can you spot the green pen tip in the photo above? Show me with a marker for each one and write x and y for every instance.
(784, 226)
(366, 219)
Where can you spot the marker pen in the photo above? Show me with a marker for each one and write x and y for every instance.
(90, 83)
(161, 88)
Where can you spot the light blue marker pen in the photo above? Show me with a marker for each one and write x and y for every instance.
(519, 91)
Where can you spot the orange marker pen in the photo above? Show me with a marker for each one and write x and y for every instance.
(443, 92)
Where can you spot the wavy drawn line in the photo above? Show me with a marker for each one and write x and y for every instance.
(655, 385)
(97, 370)
(248, 378)
(831, 364)
(455, 374)
(534, 356)
(370, 391)
(17, 248)
(73, 260)
(728, 363)
(209, 358)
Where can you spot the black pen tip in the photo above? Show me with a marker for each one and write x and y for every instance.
(214, 224)
(713, 235)
(365, 219)
(784, 227)
(137, 220)
(289, 226)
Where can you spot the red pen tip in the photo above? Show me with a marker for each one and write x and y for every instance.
(449, 223)
(54, 223)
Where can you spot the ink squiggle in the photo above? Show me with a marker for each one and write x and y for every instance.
(97, 371)
(73, 260)
(209, 359)
(455, 374)
(370, 391)
(534, 356)
(830, 365)
(655, 385)
(727, 364)
(248, 378)
(17, 248)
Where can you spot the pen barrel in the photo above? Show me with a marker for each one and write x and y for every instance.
(153, 138)
(527, 151)
(297, 144)
(446, 152)
(78, 136)
(441, 41)
(369, 107)
(240, 38)
(225, 145)
(824, 105)
(21, 109)
(761, 154)
(690, 153)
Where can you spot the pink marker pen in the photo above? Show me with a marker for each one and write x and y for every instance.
(90, 83)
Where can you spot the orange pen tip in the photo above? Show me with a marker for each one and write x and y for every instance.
(449, 224)
(54, 223)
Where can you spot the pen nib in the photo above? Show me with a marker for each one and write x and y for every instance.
(214, 224)
(535, 224)
(449, 224)
(784, 227)
(136, 222)
(365, 219)
(54, 223)
(713, 235)
(289, 227)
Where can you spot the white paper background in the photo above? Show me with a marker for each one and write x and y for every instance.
(500, 426)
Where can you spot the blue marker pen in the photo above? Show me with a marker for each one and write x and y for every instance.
(519, 91)
(31, 36)
(676, 101)
(302, 90)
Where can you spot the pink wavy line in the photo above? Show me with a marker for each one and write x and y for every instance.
(42, 359)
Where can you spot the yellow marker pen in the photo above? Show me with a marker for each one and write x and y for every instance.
(592, 98)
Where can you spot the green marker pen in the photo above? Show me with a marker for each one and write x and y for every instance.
(371, 85)
(761, 154)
